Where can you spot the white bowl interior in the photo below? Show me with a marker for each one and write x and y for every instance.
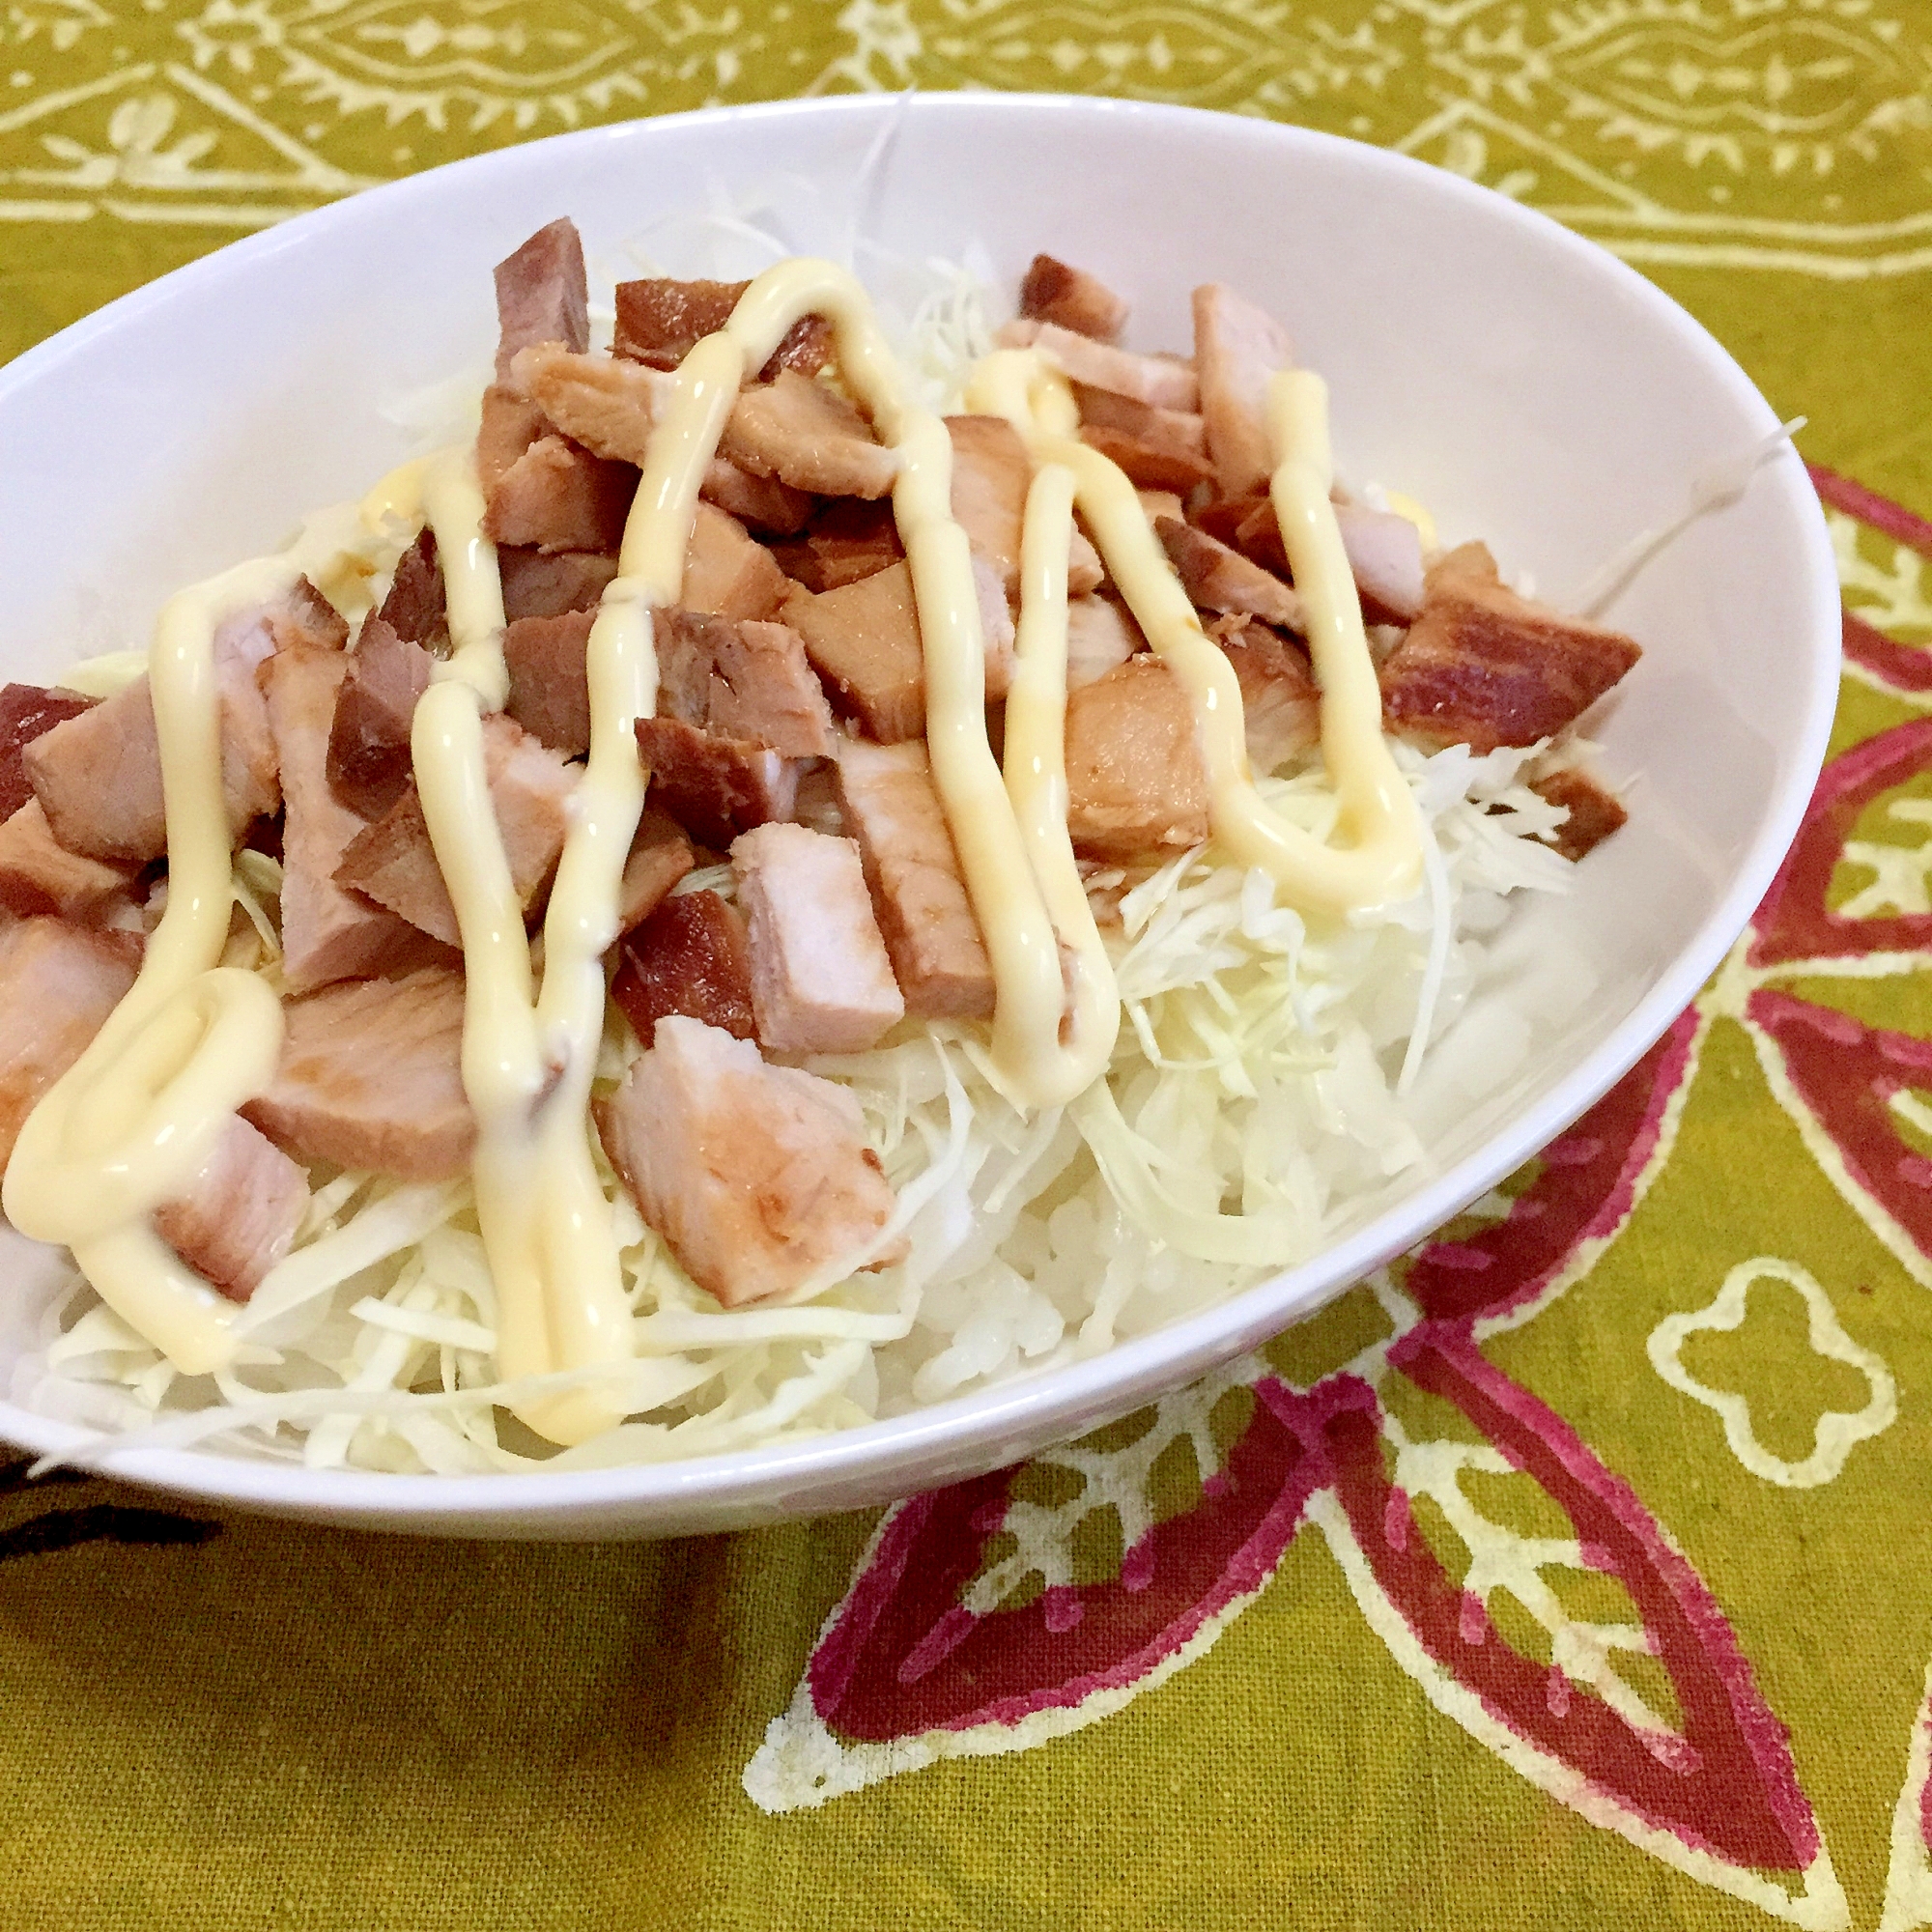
(1526, 385)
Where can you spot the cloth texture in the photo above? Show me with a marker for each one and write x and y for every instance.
(1573, 1572)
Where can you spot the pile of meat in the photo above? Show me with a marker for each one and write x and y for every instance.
(789, 736)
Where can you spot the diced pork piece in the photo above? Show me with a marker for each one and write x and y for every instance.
(416, 608)
(98, 776)
(1222, 517)
(57, 987)
(660, 855)
(690, 956)
(847, 538)
(1022, 332)
(888, 798)
(757, 1176)
(1146, 463)
(1157, 503)
(556, 496)
(1237, 348)
(1595, 812)
(1481, 666)
(39, 875)
(1100, 634)
(990, 474)
(328, 932)
(991, 471)
(1085, 571)
(1216, 577)
(371, 1078)
(761, 501)
(536, 585)
(864, 641)
(1258, 537)
(368, 739)
(997, 637)
(1052, 291)
(609, 406)
(821, 981)
(726, 572)
(241, 1213)
(715, 788)
(738, 679)
(1281, 707)
(550, 686)
(661, 322)
(800, 432)
(1135, 779)
(1159, 380)
(1160, 449)
(510, 426)
(393, 863)
(27, 712)
(1386, 553)
(542, 294)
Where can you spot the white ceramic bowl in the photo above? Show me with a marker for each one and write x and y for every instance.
(1522, 382)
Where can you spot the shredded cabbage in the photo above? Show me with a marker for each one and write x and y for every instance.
(1274, 1078)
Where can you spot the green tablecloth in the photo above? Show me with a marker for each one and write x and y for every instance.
(1575, 1575)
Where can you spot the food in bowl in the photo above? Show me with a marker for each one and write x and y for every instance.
(851, 1067)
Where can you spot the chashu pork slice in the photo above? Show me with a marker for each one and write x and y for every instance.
(1281, 708)
(715, 786)
(371, 1078)
(1162, 381)
(328, 932)
(691, 956)
(728, 573)
(1385, 555)
(808, 436)
(660, 855)
(821, 979)
(557, 495)
(1219, 577)
(1050, 291)
(98, 776)
(38, 874)
(888, 799)
(543, 294)
(1160, 449)
(241, 1213)
(29, 711)
(416, 607)
(546, 583)
(393, 863)
(366, 758)
(1481, 666)
(1135, 779)
(1237, 348)
(764, 502)
(661, 321)
(862, 639)
(757, 1176)
(608, 405)
(547, 659)
(57, 987)
(1100, 634)
(742, 679)
(991, 472)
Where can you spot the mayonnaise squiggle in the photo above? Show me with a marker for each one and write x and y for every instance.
(1382, 862)
(133, 1122)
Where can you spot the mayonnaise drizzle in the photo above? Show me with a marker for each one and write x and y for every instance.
(132, 1122)
(1382, 862)
(1082, 1043)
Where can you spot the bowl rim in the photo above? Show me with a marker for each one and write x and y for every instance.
(1131, 1372)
